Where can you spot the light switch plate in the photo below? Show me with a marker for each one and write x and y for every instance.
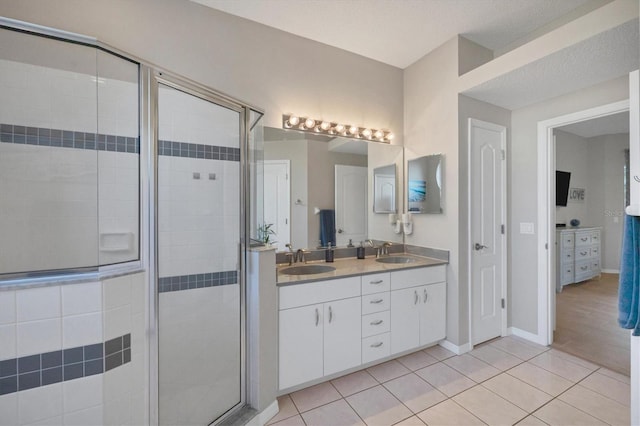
(526, 228)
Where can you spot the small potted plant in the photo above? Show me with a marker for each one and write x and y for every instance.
(265, 232)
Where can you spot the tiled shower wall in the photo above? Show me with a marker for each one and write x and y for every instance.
(55, 191)
(102, 383)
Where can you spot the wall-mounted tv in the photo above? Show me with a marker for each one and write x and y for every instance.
(562, 187)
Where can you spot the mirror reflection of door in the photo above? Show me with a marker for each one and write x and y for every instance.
(277, 201)
(384, 192)
(351, 204)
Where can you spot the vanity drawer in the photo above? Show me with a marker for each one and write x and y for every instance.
(295, 295)
(376, 347)
(375, 303)
(376, 323)
(419, 276)
(582, 253)
(376, 283)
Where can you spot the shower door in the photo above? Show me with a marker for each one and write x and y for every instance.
(199, 219)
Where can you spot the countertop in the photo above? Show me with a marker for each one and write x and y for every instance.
(349, 267)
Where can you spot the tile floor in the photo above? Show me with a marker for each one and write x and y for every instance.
(504, 382)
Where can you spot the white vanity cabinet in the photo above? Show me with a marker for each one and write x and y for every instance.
(418, 307)
(319, 329)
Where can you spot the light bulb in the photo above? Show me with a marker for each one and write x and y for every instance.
(339, 128)
(366, 133)
(353, 130)
(325, 125)
(309, 123)
(379, 134)
(390, 136)
(293, 120)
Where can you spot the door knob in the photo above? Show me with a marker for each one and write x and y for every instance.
(340, 231)
(479, 246)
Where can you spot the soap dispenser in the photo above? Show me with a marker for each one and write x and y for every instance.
(360, 251)
(328, 254)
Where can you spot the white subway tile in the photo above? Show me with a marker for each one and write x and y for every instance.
(40, 403)
(90, 417)
(117, 322)
(82, 393)
(9, 409)
(38, 303)
(7, 307)
(36, 337)
(117, 292)
(81, 330)
(81, 298)
(8, 348)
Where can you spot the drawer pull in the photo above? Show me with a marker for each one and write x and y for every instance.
(378, 322)
(568, 270)
(376, 282)
(583, 253)
(375, 302)
(376, 345)
(584, 268)
(584, 239)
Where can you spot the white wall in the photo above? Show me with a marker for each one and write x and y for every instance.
(572, 155)
(522, 174)
(606, 175)
(266, 67)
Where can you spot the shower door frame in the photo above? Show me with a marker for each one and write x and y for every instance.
(152, 79)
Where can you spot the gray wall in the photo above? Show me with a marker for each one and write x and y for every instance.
(269, 68)
(572, 155)
(522, 174)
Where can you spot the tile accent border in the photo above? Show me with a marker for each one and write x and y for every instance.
(190, 282)
(27, 135)
(196, 150)
(28, 372)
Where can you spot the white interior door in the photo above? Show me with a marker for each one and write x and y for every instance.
(487, 213)
(351, 204)
(277, 200)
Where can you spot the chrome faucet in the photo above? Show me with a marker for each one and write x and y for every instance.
(290, 255)
(385, 248)
(299, 256)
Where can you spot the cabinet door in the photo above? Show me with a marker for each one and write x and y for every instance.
(300, 345)
(405, 319)
(342, 335)
(433, 301)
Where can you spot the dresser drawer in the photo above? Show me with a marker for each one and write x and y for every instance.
(583, 238)
(376, 283)
(582, 253)
(376, 347)
(567, 240)
(595, 251)
(595, 267)
(566, 274)
(595, 237)
(566, 256)
(375, 303)
(376, 323)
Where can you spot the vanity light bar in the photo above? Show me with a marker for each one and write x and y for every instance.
(321, 127)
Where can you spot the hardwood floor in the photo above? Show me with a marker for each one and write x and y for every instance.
(587, 323)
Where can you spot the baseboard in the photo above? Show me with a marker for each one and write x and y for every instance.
(265, 415)
(611, 271)
(526, 335)
(458, 350)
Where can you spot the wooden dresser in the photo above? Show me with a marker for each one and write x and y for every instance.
(577, 255)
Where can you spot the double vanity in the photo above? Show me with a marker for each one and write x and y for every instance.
(339, 317)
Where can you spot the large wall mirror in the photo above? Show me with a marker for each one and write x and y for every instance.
(424, 184)
(312, 181)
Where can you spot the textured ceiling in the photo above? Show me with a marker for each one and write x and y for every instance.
(609, 125)
(399, 32)
(609, 55)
